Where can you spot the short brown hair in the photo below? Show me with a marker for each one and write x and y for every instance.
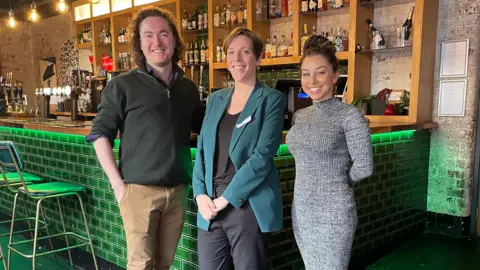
(320, 45)
(242, 31)
(134, 30)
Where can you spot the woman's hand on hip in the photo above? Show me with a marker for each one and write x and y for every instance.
(206, 207)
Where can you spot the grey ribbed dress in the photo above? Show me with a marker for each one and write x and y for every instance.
(331, 144)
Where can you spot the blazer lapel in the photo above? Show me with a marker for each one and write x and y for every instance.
(218, 110)
(247, 112)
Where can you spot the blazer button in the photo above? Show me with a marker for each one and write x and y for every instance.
(204, 162)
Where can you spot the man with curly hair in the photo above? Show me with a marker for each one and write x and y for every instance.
(154, 107)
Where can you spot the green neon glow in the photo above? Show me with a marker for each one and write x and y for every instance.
(80, 139)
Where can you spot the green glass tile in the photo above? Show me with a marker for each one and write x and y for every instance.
(188, 266)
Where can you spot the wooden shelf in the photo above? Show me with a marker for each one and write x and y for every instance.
(87, 45)
(359, 71)
(278, 61)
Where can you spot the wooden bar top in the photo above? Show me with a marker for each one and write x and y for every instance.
(83, 127)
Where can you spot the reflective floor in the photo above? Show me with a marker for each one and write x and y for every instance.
(428, 252)
(433, 252)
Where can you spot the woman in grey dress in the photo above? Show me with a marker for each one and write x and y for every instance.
(331, 144)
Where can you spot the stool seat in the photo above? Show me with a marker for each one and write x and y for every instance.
(14, 178)
(50, 188)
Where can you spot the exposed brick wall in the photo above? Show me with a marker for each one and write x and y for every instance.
(453, 143)
(22, 48)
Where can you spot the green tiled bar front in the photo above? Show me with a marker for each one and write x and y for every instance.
(391, 204)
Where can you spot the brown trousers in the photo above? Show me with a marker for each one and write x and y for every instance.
(153, 219)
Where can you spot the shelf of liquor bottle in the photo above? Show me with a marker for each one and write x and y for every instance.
(284, 19)
(389, 49)
(86, 45)
(199, 31)
(230, 26)
(279, 61)
(384, 3)
(329, 12)
(195, 65)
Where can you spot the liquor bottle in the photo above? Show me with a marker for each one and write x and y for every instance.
(205, 19)
(290, 46)
(273, 9)
(189, 22)
(268, 52)
(284, 8)
(240, 13)
(274, 47)
(228, 14)
(191, 59)
(345, 40)
(203, 51)
(339, 40)
(194, 19)
(223, 16)
(377, 39)
(219, 50)
(245, 14)
(186, 59)
(304, 38)
(290, 7)
(233, 15)
(338, 3)
(196, 54)
(200, 20)
(304, 6)
(185, 21)
(407, 27)
(313, 5)
(207, 55)
(216, 17)
(258, 11)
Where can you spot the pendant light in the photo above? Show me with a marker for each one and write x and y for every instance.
(33, 16)
(11, 19)
(62, 6)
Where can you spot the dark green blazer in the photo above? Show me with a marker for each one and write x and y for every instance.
(255, 141)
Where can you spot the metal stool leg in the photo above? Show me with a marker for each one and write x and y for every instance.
(64, 230)
(87, 231)
(35, 237)
(12, 223)
(44, 217)
(3, 258)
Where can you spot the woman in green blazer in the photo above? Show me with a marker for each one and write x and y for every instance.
(235, 182)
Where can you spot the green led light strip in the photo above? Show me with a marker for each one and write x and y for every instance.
(80, 139)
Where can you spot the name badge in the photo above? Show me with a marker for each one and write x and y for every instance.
(244, 122)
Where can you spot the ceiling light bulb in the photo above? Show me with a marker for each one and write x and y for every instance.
(33, 17)
(94, 1)
(11, 20)
(62, 7)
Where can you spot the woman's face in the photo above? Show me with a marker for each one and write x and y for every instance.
(318, 77)
(241, 60)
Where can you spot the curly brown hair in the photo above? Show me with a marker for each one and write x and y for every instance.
(134, 32)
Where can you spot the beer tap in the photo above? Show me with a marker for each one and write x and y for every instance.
(76, 92)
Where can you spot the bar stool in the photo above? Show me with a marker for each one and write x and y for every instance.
(10, 180)
(9, 161)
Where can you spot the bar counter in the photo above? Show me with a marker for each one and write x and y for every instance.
(391, 204)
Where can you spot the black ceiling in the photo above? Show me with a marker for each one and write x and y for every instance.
(46, 8)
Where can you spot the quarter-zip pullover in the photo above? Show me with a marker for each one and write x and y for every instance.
(154, 122)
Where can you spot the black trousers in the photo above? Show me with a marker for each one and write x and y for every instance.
(234, 236)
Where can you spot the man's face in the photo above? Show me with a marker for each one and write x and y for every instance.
(156, 41)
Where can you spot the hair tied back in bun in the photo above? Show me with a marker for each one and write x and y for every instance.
(320, 45)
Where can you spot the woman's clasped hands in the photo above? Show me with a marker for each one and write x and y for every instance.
(209, 208)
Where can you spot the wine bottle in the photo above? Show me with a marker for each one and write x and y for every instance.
(377, 39)
(407, 27)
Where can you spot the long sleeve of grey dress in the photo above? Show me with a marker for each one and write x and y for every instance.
(331, 144)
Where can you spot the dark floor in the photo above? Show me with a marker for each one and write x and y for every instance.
(433, 252)
(427, 252)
